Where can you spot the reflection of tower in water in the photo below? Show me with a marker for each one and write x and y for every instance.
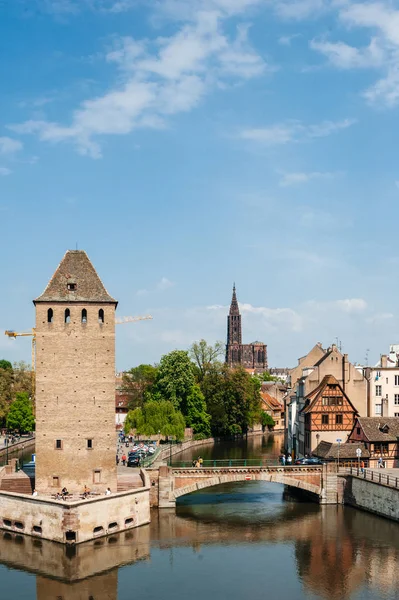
(100, 587)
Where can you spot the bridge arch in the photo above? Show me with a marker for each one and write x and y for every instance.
(219, 479)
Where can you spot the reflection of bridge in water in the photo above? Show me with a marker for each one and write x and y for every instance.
(336, 550)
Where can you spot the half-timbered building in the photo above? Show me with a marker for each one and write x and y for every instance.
(328, 414)
(380, 436)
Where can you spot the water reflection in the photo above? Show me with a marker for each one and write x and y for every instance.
(254, 543)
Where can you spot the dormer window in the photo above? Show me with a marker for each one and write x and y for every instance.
(384, 429)
(71, 287)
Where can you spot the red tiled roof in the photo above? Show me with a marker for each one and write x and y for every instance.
(270, 401)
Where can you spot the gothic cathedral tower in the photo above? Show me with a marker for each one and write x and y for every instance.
(75, 380)
(234, 338)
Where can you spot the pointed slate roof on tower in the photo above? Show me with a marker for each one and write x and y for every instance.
(234, 310)
(75, 280)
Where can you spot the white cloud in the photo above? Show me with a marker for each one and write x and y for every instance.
(299, 9)
(379, 317)
(293, 131)
(348, 305)
(9, 146)
(164, 284)
(289, 179)
(159, 79)
(4, 171)
(343, 56)
(285, 40)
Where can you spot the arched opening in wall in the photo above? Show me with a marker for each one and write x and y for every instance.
(50, 315)
(67, 318)
(260, 356)
(101, 316)
(84, 316)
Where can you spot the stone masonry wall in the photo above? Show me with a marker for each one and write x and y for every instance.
(75, 398)
(372, 496)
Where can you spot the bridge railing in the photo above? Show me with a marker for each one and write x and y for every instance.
(233, 462)
(378, 476)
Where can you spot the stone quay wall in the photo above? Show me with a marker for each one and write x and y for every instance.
(75, 522)
(371, 496)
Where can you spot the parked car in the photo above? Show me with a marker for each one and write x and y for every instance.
(133, 461)
(311, 460)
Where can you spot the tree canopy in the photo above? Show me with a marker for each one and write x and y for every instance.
(204, 355)
(13, 380)
(20, 416)
(156, 417)
(5, 364)
(175, 379)
(137, 384)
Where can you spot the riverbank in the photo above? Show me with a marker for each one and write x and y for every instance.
(23, 445)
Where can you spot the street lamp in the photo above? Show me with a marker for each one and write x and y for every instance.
(170, 450)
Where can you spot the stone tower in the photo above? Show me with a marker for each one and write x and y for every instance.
(253, 357)
(75, 380)
(234, 336)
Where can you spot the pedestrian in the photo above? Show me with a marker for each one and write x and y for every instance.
(117, 460)
(34, 493)
(362, 466)
(289, 459)
(380, 463)
(200, 460)
(124, 459)
(283, 460)
(108, 492)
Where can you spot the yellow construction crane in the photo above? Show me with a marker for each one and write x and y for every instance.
(14, 334)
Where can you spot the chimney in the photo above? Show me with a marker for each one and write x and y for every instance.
(384, 361)
(345, 374)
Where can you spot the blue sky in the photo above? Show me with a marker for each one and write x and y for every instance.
(189, 144)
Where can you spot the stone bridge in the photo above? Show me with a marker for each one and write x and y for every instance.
(170, 483)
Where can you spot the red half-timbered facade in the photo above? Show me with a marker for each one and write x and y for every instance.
(328, 414)
(380, 436)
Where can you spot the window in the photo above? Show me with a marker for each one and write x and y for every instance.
(50, 315)
(89, 444)
(58, 444)
(378, 409)
(56, 481)
(378, 390)
(71, 287)
(386, 379)
(396, 379)
(338, 419)
(381, 448)
(378, 374)
(332, 401)
(101, 316)
(396, 414)
(324, 419)
(357, 430)
(67, 315)
(97, 476)
(84, 316)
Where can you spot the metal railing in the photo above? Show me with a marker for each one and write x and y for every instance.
(372, 475)
(148, 460)
(229, 462)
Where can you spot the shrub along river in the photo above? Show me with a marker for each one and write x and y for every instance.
(245, 540)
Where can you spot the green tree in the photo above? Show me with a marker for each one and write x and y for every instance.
(175, 379)
(197, 416)
(267, 420)
(156, 416)
(5, 364)
(137, 384)
(20, 416)
(233, 399)
(204, 355)
(6, 392)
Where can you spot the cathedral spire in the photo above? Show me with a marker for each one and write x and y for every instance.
(234, 310)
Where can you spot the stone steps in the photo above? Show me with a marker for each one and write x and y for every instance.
(19, 483)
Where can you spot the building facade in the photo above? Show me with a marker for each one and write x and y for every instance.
(334, 363)
(253, 357)
(328, 414)
(75, 380)
(380, 437)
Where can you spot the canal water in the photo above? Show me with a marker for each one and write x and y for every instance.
(250, 540)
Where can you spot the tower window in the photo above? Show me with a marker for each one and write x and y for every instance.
(101, 316)
(89, 444)
(50, 315)
(67, 315)
(84, 316)
(97, 476)
(71, 287)
(58, 444)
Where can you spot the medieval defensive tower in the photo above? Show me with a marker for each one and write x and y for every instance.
(75, 380)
